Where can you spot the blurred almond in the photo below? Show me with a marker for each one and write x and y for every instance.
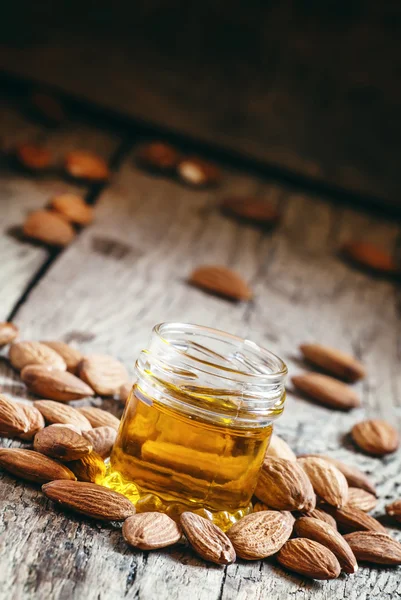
(221, 281)
(47, 108)
(49, 228)
(72, 357)
(198, 173)
(278, 448)
(353, 519)
(61, 443)
(99, 417)
(334, 361)
(369, 256)
(151, 530)
(54, 384)
(309, 558)
(327, 481)
(124, 392)
(54, 412)
(252, 209)
(158, 156)
(33, 157)
(8, 333)
(90, 468)
(394, 510)
(361, 499)
(32, 466)
(326, 390)
(35, 419)
(22, 354)
(102, 439)
(260, 534)
(103, 373)
(14, 422)
(73, 208)
(207, 539)
(87, 166)
(373, 547)
(376, 437)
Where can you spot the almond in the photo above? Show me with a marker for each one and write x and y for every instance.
(71, 356)
(22, 354)
(103, 373)
(326, 390)
(374, 547)
(309, 558)
(278, 448)
(158, 156)
(322, 515)
(73, 208)
(54, 384)
(353, 519)
(334, 361)
(221, 281)
(49, 228)
(376, 437)
(88, 468)
(8, 333)
(98, 417)
(149, 531)
(369, 256)
(260, 534)
(13, 419)
(61, 443)
(90, 499)
(361, 499)
(282, 484)
(327, 481)
(47, 108)
(88, 166)
(325, 534)
(394, 510)
(33, 157)
(124, 392)
(102, 439)
(252, 209)
(32, 466)
(198, 173)
(207, 539)
(35, 419)
(54, 412)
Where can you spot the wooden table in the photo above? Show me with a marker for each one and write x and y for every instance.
(127, 272)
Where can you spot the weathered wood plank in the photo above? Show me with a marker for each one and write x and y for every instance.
(127, 272)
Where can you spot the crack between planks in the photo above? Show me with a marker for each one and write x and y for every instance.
(223, 581)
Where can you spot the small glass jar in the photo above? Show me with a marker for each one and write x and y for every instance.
(197, 423)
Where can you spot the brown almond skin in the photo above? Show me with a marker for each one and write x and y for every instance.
(158, 157)
(319, 531)
(327, 481)
(369, 256)
(72, 357)
(61, 443)
(33, 466)
(54, 384)
(89, 468)
(14, 421)
(48, 227)
(33, 157)
(376, 437)
(8, 332)
(149, 531)
(278, 448)
(35, 419)
(322, 515)
(337, 363)
(73, 208)
(26, 353)
(124, 392)
(353, 519)
(373, 547)
(220, 281)
(394, 510)
(260, 534)
(98, 417)
(283, 485)
(361, 499)
(55, 412)
(207, 539)
(90, 499)
(251, 209)
(103, 373)
(327, 390)
(198, 173)
(86, 166)
(102, 439)
(309, 558)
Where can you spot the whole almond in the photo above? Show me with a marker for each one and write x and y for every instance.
(354, 519)
(33, 157)
(334, 361)
(13, 420)
(87, 166)
(72, 357)
(361, 499)
(158, 156)
(90, 499)
(47, 108)
(207, 539)
(102, 439)
(325, 534)
(322, 515)
(369, 256)
(327, 481)
(221, 281)
(374, 547)
(98, 417)
(35, 419)
(73, 208)
(54, 412)
(103, 373)
(26, 353)
(376, 437)
(394, 510)
(284, 485)
(278, 448)
(198, 173)
(260, 534)
(124, 392)
(61, 443)
(89, 468)
(151, 530)
(32, 466)
(252, 209)
(8, 333)
(326, 390)
(309, 558)
(49, 228)
(54, 384)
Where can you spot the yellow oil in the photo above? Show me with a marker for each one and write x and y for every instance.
(167, 461)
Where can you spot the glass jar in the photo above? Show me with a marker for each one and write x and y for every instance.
(197, 423)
